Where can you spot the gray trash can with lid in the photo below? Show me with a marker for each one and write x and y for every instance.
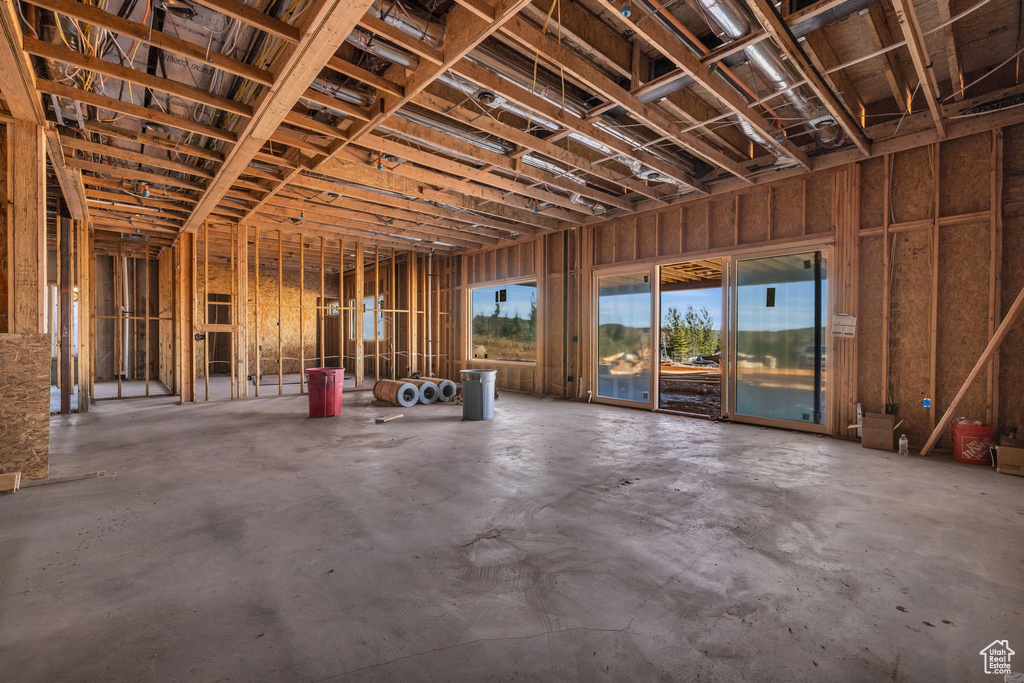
(478, 394)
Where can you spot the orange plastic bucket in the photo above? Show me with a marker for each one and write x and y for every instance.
(971, 443)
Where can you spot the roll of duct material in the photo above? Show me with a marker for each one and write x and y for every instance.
(446, 389)
(397, 393)
(428, 390)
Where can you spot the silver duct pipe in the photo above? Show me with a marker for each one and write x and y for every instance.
(343, 93)
(733, 22)
(367, 42)
(424, 28)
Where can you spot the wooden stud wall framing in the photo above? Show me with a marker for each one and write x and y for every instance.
(951, 194)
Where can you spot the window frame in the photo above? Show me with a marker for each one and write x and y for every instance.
(498, 284)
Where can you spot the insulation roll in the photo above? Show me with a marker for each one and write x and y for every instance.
(397, 393)
(446, 389)
(428, 390)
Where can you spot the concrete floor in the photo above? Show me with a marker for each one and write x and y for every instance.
(560, 542)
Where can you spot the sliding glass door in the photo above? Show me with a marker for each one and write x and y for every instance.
(624, 313)
(779, 343)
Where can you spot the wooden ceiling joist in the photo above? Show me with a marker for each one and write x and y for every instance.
(769, 18)
(96, 17)
(134, 110)
(672, 47)
(554, 53)
(165, 85)
(881, 38)
(69, 142)
(375, 201)
(911, 28)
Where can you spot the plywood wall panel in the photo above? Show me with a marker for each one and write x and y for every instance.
(25, 404)
(962, 322)
(819, 203)
(909, 350)
(670, 233)
(753, 217)
(604, 244)
(625, 240)
(723, 222)
(647, 236)
(695, 226)
(872, 189)
(787, 209)
(913, 175)
(964, 174)
(869, 325)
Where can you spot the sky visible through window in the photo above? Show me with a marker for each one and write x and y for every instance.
(518, 298)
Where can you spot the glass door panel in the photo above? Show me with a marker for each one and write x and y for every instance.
(780, 337)
(624, 337)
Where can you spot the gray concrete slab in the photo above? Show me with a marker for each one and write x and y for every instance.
(560, 542)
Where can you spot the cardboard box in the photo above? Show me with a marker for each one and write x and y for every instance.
(877, 431)
(1009, 460)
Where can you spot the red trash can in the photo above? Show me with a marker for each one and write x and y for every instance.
(325, 391)
(971, 442)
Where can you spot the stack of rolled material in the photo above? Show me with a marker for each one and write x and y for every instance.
(446, 389)
(428, 390)
(398, 392)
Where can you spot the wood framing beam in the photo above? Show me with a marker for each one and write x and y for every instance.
(346, 68)
(253, 17)
(69, 179)
(373, 200)
(672, 47)
(362, 174)
(135, 157)
(881, 38)
(100, 128)
(387, 214)
(514, 93)
(17, 80)
(61, 54)
(338, 218)
(328, 23)
(780, 32)
(907, 17)
(139, 112)
(956, 73)
(819, 50)
(26, 228)
(465, 30)
(409, 131)
(130, 29)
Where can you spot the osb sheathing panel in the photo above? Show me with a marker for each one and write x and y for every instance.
(1011, 355)
(965, 175)
(872, 191)
(869, 325)
(819, 203)
(913, 176)
(670, 233)
(963, 317)
(723, 222)
(787, 209)
(25, 404)
(753, 219)
(604, 244)
(625, 241)
(4, 278)
(647, 236)
(909, 353)
(695, 228)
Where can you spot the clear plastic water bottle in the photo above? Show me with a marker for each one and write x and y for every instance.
(904, 450)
